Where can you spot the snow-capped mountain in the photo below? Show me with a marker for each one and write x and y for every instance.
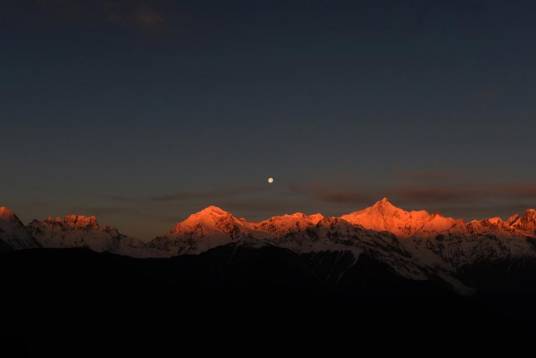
(417, 245)
(525, 222)
(209, 221)
(285, 224)
(384, 216)
(13, 234)
(337, 235)
(206, 229)
(430, 238)
(76, 231)
(302, 234)
(449, 242)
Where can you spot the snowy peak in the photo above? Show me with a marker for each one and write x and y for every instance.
(525, 222)
(74, 221)
(385, 205)
(289, 222)
(8, 217)
(212, 210)
(206, 229)
(80, 220)
(297, 217)
(211, 218)
(209, 214)
(215, 219)
(385, 216)
(13, 234)
(6, 214)
(494, 226)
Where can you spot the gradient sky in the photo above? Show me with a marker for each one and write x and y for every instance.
(141, 112)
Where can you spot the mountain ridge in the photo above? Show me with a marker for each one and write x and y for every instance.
(381, 216)
(223, 227)
(385, 216)
(417, 245)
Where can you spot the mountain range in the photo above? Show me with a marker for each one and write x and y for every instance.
(415, 245)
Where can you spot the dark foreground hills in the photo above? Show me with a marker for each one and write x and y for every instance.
(75, 301)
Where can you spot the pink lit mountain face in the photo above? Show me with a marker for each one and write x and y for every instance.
(525, 222)
(384, 216)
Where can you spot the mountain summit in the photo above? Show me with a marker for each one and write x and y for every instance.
(199, 232)
(385, 216)
(13, 234)
(6, 213)
(210, 219)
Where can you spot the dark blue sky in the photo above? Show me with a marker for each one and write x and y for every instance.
(143, 111)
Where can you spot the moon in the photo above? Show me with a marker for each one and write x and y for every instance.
(270, 180)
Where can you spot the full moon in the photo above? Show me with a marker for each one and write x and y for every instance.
(270, 180)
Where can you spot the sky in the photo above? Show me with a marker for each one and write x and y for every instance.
(142, 112)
